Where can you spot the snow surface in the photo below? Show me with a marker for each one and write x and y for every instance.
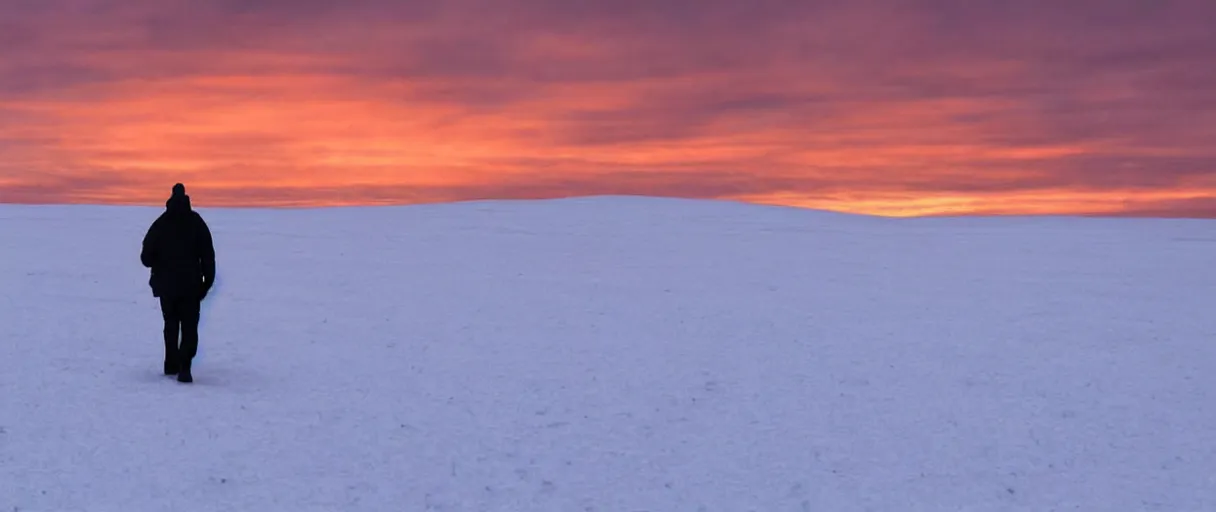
(614, 354)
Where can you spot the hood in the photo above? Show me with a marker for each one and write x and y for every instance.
(179, 202)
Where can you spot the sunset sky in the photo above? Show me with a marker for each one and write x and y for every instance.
(886, 107)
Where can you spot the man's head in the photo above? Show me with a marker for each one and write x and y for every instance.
(179, 201)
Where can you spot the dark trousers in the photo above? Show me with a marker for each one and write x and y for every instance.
(181, 316)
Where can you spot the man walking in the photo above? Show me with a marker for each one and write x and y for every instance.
(179, 251)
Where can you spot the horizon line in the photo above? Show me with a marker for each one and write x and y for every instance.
(324, 205)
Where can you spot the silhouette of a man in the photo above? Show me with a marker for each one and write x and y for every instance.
(179, 251)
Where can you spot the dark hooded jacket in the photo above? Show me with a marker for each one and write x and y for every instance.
(179, 251)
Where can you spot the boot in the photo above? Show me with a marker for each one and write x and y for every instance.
(184, 374)
(171, 367)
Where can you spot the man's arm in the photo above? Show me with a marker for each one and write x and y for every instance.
(206, 253)
(147, 255)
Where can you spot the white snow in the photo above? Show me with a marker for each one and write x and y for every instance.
(614, 354)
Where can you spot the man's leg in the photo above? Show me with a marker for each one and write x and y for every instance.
(189, 316)
(169, 311)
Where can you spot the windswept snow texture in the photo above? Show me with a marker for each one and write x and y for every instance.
(614, 354)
